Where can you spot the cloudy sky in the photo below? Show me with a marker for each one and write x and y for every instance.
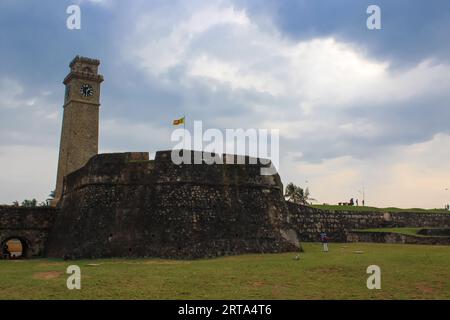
(355, 107)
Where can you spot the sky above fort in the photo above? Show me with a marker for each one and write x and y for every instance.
(355, 107)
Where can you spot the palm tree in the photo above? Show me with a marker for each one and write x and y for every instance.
(307, 196)
(297, 195)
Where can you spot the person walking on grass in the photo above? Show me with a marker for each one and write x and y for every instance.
(6, 252)
(324, 239)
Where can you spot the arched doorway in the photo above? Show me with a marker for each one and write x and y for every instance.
(14, 248)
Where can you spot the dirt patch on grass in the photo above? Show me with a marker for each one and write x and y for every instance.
(50, 264)
(425, 288)
(47, 275)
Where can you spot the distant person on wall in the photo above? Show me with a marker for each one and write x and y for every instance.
(363, 203)
(324, 239)
(351, 202)
(357, 202)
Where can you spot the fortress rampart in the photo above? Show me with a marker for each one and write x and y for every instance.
(29, 225)
(184, 222)
(126, 205)
(309, 222)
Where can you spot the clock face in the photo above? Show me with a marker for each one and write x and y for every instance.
(86, 90)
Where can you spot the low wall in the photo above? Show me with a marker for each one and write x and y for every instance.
(30, 225)
(389, 237)
(310, 222)
(435, 232)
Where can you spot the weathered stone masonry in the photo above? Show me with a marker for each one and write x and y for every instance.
(126, 205)
(188, 222)
(309, 222)
(389, 237)
(29, 225)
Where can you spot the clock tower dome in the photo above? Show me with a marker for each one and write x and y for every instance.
(79, 134)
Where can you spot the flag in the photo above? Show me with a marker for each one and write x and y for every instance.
(178, 121)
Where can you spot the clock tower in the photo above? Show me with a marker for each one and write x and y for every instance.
(79, 134)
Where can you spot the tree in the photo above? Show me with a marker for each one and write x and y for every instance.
(50, 198)
(52, 194)
(297, 195)
(29, 203)
(307, 196)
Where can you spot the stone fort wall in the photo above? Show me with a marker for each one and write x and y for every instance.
(126, 205)
(388, 237)
(310, 222)
(30, 225)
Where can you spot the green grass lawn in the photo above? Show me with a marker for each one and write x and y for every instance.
(375, 209)
(407, 231)
(407, 272)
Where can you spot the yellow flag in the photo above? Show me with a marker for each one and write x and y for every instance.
(178, 121)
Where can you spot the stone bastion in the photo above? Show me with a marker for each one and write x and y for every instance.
(123, 204)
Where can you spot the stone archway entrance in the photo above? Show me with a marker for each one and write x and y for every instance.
(14, 248)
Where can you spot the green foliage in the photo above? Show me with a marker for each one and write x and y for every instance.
(29, 203)
(407, 231)
(337, 208)
(33, 203)
(297, 195)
